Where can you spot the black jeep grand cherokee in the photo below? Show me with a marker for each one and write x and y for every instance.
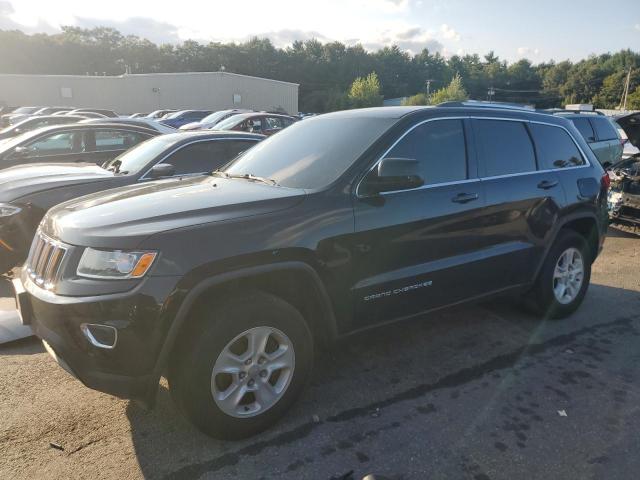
(227, 283)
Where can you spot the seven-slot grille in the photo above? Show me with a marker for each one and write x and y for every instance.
(45, 260)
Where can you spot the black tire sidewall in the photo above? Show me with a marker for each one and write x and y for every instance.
(217, 328)
(546, 302)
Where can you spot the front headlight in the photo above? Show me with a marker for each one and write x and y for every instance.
(7, 210)
(114, 264)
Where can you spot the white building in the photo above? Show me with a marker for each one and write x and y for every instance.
(147, 92)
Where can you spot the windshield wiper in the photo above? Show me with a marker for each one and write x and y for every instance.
(246, 176)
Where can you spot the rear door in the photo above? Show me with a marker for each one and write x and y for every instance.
(420, 248)
(522, 202)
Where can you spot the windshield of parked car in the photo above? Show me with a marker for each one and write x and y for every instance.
(230, 122)
(215, 117)
(177, 114)
(138, 157)
(311, 154)
(26, 110)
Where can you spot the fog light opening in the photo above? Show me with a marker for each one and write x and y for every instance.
(101, 336)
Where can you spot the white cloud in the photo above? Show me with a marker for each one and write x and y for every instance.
(527, 52)
(449, 33)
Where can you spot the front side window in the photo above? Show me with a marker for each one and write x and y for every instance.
(604, 129)
(56, 144)
(504, 147)
(555, 148)
(440, 149)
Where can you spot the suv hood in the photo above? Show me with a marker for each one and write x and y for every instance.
(124, 217)
(22, 180)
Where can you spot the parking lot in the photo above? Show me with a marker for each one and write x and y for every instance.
(480, 392)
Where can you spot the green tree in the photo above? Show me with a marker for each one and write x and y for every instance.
(365, 92)
(415, 100)
(454, 92)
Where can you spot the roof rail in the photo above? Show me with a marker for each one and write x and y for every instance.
(485, 104)
(554, 111)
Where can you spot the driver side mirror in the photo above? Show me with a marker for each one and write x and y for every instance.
(20, 152)
(393, 174)
(162, 170)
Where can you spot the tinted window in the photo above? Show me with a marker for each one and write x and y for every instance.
(203, 157)
(584, 127)
(505, 147)
(56, 144)
(136, 158)
(439, 147)
(604, 129)
(302, 156)
(555, 147)
(106, 140)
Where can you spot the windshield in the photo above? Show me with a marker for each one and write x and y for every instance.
(215, 117)
(136, 158)
(230, 122)
(311, 154)
(176, 114)
(26, 109)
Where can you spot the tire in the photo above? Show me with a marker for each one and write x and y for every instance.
(222, 334)
(543, 299)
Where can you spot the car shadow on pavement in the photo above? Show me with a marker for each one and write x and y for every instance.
(371, 370)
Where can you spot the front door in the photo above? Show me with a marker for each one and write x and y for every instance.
(415, 249)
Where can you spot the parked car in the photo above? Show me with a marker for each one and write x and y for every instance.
(210, 121)
(100, 111)
(630, 125)
(264, 123)
(16, 115)
(177, 119)
(33, 122)
(28, 191)
(138, 115)
(50, 110)
(600, 133)
(140, 122)
(341, 222)
(624, 196)
(160, 113)
(71, 143)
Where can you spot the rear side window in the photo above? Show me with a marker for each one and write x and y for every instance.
(106, 140)
(440, 148)
(555, 147)
(584, 127)
(604, 129)
(504, 147)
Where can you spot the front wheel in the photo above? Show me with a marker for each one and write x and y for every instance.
(564, 277)
(242, 366)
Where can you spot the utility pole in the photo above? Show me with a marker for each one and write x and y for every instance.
(428, 83)
(490, 93)
(625, 92)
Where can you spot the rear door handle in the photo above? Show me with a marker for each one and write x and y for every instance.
(465, 197)
(547, 184)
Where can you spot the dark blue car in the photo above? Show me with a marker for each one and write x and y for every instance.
(182, 117)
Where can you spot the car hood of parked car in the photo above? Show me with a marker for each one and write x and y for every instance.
(23, 180)
(124, 217)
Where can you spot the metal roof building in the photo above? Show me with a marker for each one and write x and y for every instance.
(146, 92)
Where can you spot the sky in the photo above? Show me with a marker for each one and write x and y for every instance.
(539, 30)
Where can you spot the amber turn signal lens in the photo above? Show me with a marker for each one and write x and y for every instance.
(143, 264)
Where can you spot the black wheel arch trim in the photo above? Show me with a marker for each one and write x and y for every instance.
(205, 284)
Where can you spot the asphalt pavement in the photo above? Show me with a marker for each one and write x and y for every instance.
(478, 392)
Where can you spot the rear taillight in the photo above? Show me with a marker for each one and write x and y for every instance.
(605, 181)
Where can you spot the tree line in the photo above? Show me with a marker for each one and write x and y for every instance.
(326, 72)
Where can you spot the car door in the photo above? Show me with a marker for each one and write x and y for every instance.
(203, 156)
(415, 249)
(522, 201)
(102, 145)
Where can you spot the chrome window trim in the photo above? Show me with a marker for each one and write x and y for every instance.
(177, 149)
(479, 178)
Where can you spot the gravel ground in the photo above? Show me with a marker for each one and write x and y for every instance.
(480, 392)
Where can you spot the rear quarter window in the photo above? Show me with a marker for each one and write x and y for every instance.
(584, 127)
(604, 129)
(555, 147)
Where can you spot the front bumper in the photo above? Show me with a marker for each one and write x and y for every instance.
(126, 371)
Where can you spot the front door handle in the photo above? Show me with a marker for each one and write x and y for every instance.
(547, 184)
(465, 197)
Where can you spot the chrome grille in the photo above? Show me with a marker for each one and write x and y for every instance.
(45, 261)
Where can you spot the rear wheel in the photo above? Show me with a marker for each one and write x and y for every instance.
(564, 277)
(242, 366)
